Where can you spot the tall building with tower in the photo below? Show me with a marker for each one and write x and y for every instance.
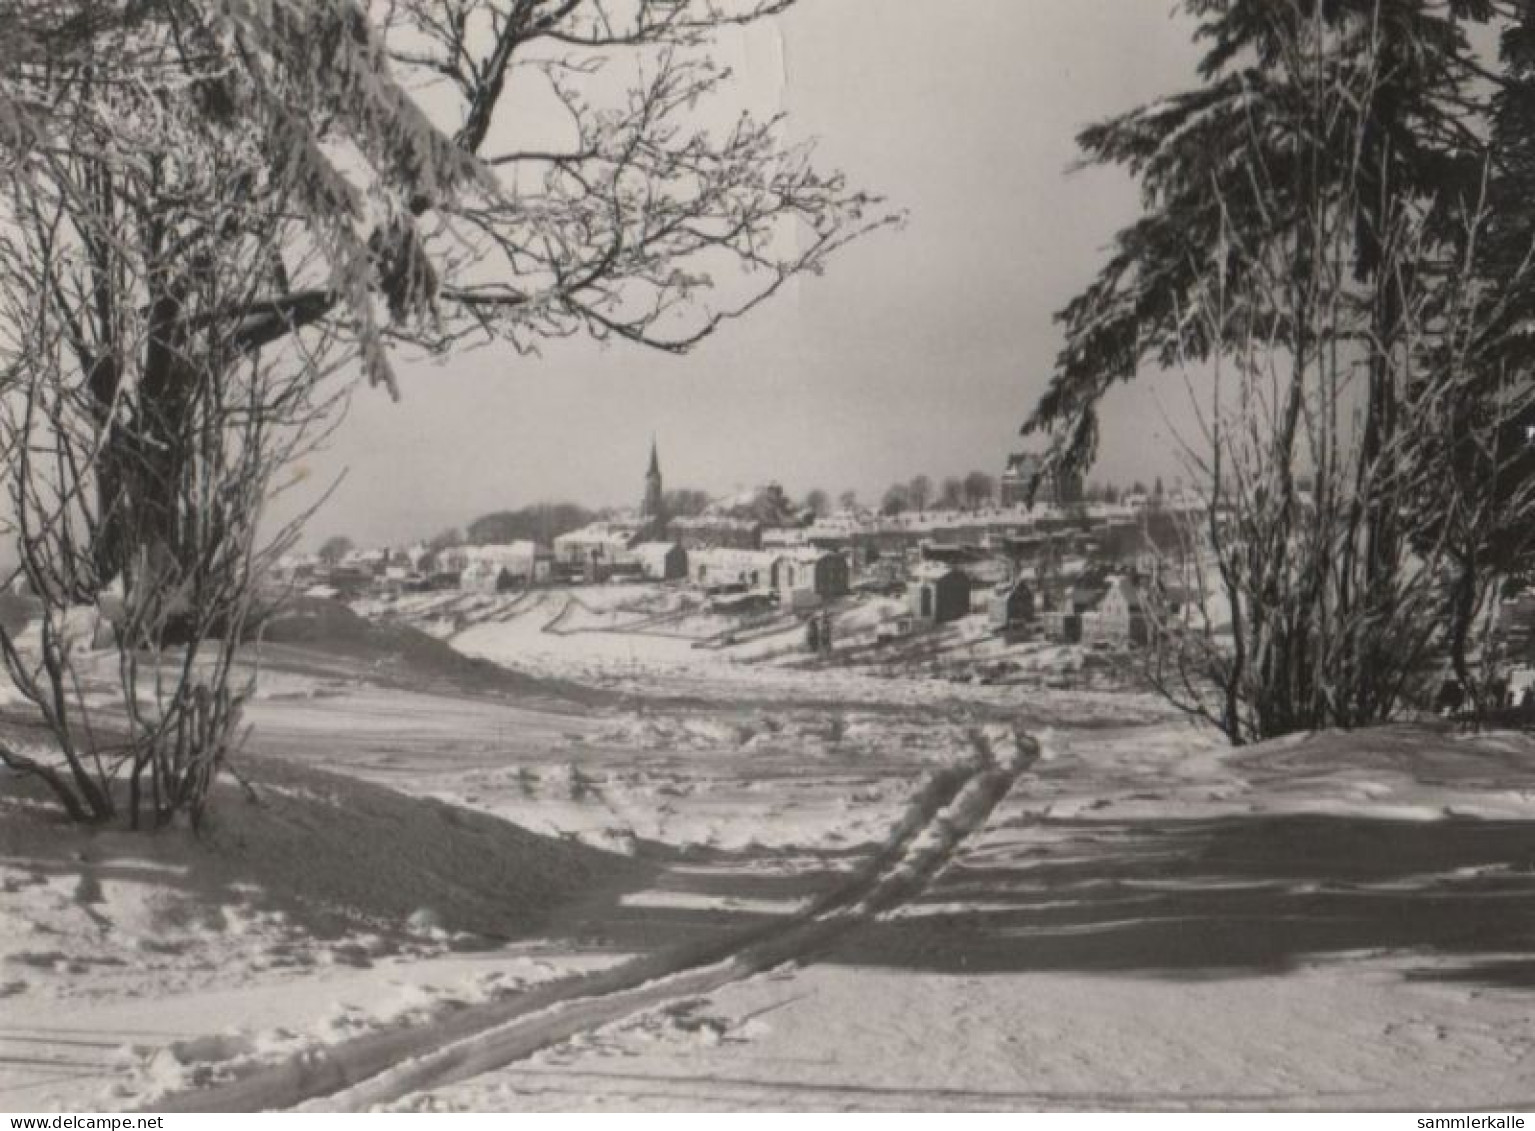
(654, 506)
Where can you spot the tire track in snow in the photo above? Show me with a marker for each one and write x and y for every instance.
(381, 1068)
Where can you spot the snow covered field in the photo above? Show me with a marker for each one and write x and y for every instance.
(636, 873)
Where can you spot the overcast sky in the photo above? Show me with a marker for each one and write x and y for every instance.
(919, 351)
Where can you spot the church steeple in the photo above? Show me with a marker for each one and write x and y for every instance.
(654, 498)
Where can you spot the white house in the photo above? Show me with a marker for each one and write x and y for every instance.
(371, 561)
(480, 577)
(601, 543)
(785, 538)
(1120, 617)
(755, 569)
(523, 561)
(662, 561)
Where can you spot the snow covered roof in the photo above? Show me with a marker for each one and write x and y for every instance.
(655, 551)
(715, 522)
(724, 556)
(598, 532)
(808, 555)
(784, 536)
(502, 551)
(935, 571)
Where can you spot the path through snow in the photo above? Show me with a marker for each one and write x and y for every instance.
(381, 1069)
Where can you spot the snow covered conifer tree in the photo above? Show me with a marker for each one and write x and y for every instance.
(1311, 218)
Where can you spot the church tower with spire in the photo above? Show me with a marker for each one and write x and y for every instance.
(654, 505)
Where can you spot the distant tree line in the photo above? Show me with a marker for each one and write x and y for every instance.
(978, 489)
(540, 522)
(972, 491)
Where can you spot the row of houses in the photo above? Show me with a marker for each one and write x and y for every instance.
(944, 584)
(1008, 559)
(498, 567)
(601, 552)
(801, 577)
(607, 550)
(1016, 532)
(1015, 535)
(800, 574)
(1113, 611)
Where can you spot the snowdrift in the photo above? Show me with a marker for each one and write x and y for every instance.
(394, 652)
(317, 870)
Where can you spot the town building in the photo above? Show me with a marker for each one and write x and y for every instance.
(349, 582)
(596, 551)
(722, 567)
(717, 532)
(954, 554)
(290, 568)
(1064, 615)
(1061, 626)
(938, 593)
(809, 576)
(785, 538)
(1119, 617)
(662, 561)
(486, 577)
(524, 562)
(1012, 606)
(369, 561)
(653, 506)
